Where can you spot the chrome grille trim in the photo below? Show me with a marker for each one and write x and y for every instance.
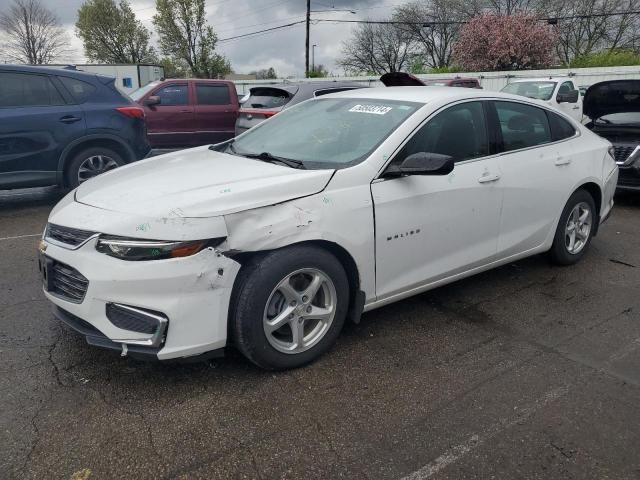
(67, 237)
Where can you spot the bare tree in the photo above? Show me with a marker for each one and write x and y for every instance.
(593, 28)
(32, 33)
(376, 49)
(431, 25)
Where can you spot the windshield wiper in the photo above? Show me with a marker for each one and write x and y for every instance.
(268, 157)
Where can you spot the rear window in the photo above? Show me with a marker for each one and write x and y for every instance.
(24, 90)
(79, 90)
(560, 128)
(212, 94)
(268, 98)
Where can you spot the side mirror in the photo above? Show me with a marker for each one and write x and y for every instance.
(570, 97)
(422, 163)
(152, 100)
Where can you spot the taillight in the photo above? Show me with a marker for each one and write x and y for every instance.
(131, 112)
(259, 113)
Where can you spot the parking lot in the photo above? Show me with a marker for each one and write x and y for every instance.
(527, 371)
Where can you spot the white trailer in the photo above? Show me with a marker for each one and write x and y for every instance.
(129, 77)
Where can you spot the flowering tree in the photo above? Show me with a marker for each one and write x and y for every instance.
(516, 42)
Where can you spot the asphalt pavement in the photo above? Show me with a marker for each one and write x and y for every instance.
(529, 371)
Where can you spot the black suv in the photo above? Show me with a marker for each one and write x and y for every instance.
(63, 126)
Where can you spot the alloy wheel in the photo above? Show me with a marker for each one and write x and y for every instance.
(95, 165)
(578, 228)
(299, 311)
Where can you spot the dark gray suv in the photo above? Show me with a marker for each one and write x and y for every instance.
(265, 101)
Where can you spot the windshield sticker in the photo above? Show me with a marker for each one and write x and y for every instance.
(375, 109)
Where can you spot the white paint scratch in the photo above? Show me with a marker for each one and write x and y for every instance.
(459, 451)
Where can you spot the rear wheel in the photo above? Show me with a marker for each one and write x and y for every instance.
(289, 306)
(91, 162)
(575, 229)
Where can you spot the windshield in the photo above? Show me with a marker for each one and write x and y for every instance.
(326, 133)
(537, 90)
(621, 118)
(142, 91)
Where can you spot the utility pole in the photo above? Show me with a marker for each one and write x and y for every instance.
(306, 43)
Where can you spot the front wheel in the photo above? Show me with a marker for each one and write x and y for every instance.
(91, 162)
(289, 306)
(575, 229)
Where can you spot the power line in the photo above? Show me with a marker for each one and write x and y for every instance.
(261, 31)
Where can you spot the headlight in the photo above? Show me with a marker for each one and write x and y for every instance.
(135, 249)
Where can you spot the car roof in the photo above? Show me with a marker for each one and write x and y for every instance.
(68, 72)
(293, 87)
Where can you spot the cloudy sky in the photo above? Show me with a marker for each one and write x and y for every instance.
(281, 49)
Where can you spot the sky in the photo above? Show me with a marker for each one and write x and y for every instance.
(281, 49)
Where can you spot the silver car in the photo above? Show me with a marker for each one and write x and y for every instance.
(265, 101)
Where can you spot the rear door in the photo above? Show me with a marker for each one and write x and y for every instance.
(36, 124)
(171, 123)
(537, 169)
(216, 110)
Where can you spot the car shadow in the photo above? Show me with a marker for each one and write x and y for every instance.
(30, 197)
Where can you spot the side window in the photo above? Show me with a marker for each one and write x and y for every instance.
(27, 90)
(459, 131)
(173, 95)
(212, 94)
(566, 87)
(560, 128)
(79, 90)
(522, 125)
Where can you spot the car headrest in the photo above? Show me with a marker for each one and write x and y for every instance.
(521, 123)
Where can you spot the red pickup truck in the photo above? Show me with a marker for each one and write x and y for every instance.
(187, 113)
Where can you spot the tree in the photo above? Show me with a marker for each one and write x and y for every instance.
(112, 34)
(376, 49)
(319, 71)
(184, 35)
(592, 30)
(435, 30)
(174, 69)
(264, 74)
(33, 33)
(492, 42)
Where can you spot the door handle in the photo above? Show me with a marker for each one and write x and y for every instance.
(489, 178)
(562, 161)
(185, 111)
(70, 119)
(576, 108)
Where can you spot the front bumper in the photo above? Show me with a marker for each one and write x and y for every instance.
(193, 293)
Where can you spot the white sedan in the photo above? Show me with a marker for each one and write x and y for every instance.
(336, 206)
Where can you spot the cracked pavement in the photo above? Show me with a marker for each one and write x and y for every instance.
(527, 371)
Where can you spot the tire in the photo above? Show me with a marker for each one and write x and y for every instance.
(563, 251)
(265, 292)
(91, 162)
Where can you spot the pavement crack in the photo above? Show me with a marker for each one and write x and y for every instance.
(620, 262)
(561, 450)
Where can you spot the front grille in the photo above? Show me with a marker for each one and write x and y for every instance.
(622, 152)
(134, 319)
(628, 177)
(67, 283)
(66, 235)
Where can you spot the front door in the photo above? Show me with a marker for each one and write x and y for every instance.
(171, 123)
(433, 227)
(573, 109)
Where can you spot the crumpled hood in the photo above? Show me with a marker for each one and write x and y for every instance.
(615, 96)
(198, 183)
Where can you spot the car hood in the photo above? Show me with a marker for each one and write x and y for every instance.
(198, 183)
(616, 96)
